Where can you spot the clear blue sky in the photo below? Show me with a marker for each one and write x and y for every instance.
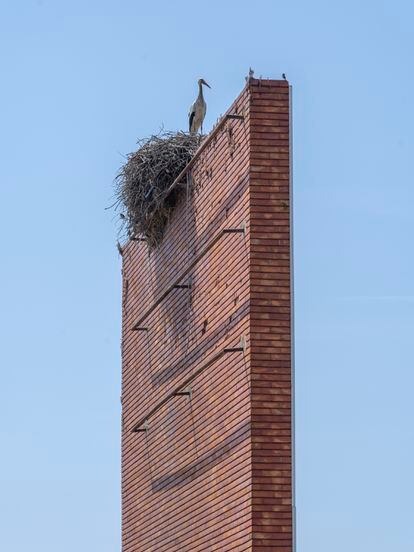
(80, 82)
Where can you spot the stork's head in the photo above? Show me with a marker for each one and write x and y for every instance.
(202, 81)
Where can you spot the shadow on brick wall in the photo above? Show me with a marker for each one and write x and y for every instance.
(205, 463)
(195, 355)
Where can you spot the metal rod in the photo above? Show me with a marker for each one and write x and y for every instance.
(234, 349)
(184, 273)
(184, 393)
(183, 385)
(235, 116)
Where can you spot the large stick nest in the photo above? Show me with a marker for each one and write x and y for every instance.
(142, 187)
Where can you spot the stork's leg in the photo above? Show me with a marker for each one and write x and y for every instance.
(201, 128)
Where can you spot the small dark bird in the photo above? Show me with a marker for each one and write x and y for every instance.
(284, 76)
(250, 76)
(119, 247)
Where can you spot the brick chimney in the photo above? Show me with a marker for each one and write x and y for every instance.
(207, 440)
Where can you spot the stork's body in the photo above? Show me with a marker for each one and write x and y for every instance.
(197, 110)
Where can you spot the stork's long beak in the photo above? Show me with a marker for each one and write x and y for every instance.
(204, 82)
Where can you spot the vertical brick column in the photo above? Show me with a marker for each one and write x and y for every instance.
(270, 316)
(212, 469)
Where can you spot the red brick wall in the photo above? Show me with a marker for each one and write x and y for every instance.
(213, 471)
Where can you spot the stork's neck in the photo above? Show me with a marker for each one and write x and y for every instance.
(200, 90)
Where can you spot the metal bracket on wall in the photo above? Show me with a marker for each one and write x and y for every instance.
(235, 116)
(243, 344)
(144, 427)
(197, 258)
(183, 388)
(187, 392)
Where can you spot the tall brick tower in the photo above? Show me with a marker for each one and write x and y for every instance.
(207, 443)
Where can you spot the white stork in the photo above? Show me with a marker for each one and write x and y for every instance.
(198, 110)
